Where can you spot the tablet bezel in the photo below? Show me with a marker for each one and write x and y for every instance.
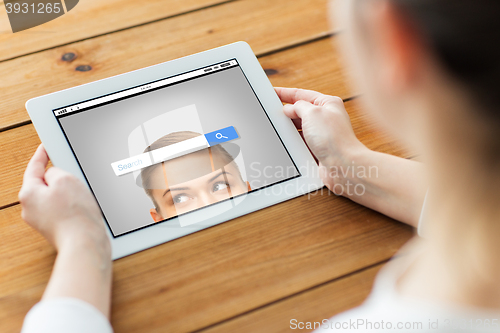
(41, 109)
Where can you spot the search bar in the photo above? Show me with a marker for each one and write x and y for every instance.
(163, 154)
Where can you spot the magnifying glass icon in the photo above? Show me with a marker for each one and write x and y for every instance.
(220, 136)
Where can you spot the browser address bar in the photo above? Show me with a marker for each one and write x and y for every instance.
(142, 88)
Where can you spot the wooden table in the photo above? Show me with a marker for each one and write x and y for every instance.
(305, 259)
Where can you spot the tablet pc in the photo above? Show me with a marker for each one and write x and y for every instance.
(178, 147)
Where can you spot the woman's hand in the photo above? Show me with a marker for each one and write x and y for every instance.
(63, 210)
(326, 129)
(58, 205)
(396, 187)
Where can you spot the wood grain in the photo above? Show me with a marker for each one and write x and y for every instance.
(256, 22)
(16, 148)
(19, 144)
(312, 66)
(315, 65)
(313, 306)
(215, 274)
(251, 273)
(88, 19)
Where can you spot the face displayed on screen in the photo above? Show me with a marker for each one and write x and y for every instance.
(192, 181)
(140, 167)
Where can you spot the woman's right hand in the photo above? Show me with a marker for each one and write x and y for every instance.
(59, 206)
(326, 129)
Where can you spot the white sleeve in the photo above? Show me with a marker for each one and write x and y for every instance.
(60, 315)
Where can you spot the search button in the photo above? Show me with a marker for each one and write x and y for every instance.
(222, 135)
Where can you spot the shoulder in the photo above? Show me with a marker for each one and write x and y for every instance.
(386, 309)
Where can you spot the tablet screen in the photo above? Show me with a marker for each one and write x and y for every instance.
(177, 145)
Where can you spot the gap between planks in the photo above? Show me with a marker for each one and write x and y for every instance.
(309, 289)
(261, 55)
(121, 29)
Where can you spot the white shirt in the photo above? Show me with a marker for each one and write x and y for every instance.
(384, 310)
(64, 315)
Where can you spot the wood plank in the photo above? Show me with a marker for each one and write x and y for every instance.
(297, 67)
(213, 275)
(311, 306)
(219, 273)
(316, 66)
(16, 148)
(256, 22)
(88, 19)
(19, 144)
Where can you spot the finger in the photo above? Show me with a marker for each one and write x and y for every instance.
(303, 108)
(53, 174)
(298, 110)
(289, 111)
(293, 95)
(36, 167)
